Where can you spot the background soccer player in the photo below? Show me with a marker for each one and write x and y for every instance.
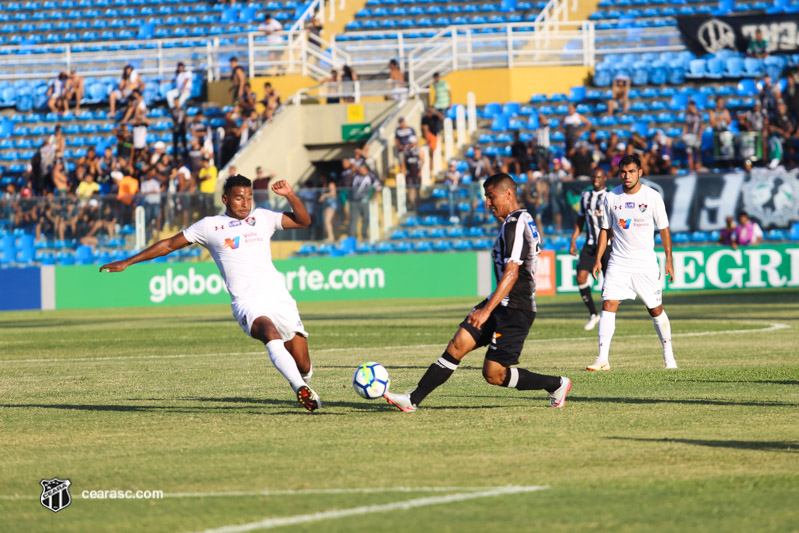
(590, 214)
(503, 320)
(634, 211)
(239, 241)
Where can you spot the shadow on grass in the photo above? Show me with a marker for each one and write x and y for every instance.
(648, 401)
(770, 446)
(122, 408)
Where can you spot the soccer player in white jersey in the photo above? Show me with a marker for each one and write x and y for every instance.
(239, 241)
(635, 212)
(503, 320)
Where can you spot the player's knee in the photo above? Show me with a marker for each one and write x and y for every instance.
(494, 377)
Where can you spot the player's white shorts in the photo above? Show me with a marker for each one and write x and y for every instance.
(620, 285)
(284, 315)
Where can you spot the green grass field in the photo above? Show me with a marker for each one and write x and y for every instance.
(179, 400)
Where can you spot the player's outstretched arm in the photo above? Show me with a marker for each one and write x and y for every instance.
(162, 247)
(578, 227)
(299, 217)
(665, 236)
(600, 251)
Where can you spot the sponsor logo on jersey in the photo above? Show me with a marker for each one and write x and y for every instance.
(250, 221)
(618, 206)
(642, 207)
(629, 205)
(216, 228)
(624, 223)
(234, 223)
(231, 243)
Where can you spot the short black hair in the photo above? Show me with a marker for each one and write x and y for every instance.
(630, 159)
(743, 214)
(236, 181)
(501, 181)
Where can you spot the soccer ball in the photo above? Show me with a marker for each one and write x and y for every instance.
(371, 380)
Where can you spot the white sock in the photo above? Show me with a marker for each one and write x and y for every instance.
(607, 326)
(285, 363)
(307, 377)
(663, 328)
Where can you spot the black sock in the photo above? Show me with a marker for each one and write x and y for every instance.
(588, 299)
(526, 380)
(436, 375)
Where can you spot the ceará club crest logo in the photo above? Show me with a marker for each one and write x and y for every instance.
(55, 494)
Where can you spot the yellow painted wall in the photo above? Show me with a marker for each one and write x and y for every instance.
(287, 85)
(514, 85)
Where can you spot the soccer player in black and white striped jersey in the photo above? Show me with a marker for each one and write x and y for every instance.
(590, 214)
(503, 320)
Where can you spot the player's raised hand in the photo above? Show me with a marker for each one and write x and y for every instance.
(116, 266)
(281, 188)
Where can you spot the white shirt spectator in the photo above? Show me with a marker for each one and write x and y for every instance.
(270, 28)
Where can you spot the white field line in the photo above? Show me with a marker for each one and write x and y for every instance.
(290, 492)
(772, 326)
(269, 523)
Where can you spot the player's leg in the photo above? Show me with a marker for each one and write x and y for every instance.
(648, 287)
(265, 330)
(466, 339)
(521, 379)
(298, 348)
(584, 266)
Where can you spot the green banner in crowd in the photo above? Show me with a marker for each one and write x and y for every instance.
(312, 279)
(716, 267)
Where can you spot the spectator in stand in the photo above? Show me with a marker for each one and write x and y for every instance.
(434, 120)
(195, 157)
(58, 140)
(49, 219)
(198, 128)
(309, 195)
(557, 197)
(179, 132)
(659, 160)
(401, 136)
(518, 162)
(271, 28)
(270, 101)
(727, 235)
(184, 186)
(177, 97)
(314, 28)
(412, 162)
(618, 152)
(479, 169)
(782, 130)
(130, 81)
(396, 82)
(535, 194)
(230, 144)
(754, 124)
(542, 141)
(595, 147)
(237, 79)
(90, 162)
(127, 187)
(364, 186)
(344, 185)
(208, 175)
(60, 177)
(41, 168)
(452, 181)
(441, 100)
(151, 189)
(329, 201)
(348, 77)
(260, 187)
(790, 96)
(758, 47)
(136, 116)
(769, 95)
(620, 95)
(93, 221)
(692, 137)
(75, 89)
(720, 120)
(583, 163)
(87, 187)
(247, 101)
(573, 125)
(748, 232)
(9, 204)
(108, 163)
(57, 94)
(334, 88)
(124, 142)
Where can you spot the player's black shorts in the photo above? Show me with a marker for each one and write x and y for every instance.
(504, 333)
(588, 258)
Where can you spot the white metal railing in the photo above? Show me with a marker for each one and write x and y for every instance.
(352, 91)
